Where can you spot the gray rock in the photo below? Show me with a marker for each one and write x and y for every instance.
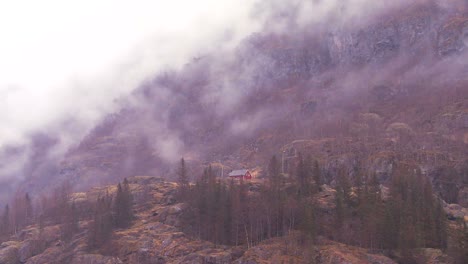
(29, 249)
(463, 197)
(451, 39)
(9, 253)
(455, 211)
(95, 259)
(52, 255)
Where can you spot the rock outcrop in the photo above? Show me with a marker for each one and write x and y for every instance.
(9, 252)
(155, 237)
(289, 250)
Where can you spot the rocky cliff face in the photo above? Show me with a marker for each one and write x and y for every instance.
(388, 88)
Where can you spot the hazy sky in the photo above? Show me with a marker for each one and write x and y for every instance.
(71, 59)
(63, 61)
(63, 64)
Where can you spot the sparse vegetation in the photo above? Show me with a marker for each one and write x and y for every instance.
(355, 139)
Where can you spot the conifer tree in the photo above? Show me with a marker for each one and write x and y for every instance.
(21, 208)
(128, 201)
(344, 186)
(274, 173)
(5, 221)
(374, 212)
(459, 249)
(302, 177)
(123, 209)
(308, 223)
(414, 218)
(340, 214)
(237, 209)
(275, 197)
(41, 224)
(119, 205)
(70, 225)
(28, 209)
(317, 175)
(358, 182)
(101, 227)
(182, 179)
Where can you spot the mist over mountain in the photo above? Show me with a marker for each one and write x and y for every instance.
(247, 131)
(286, 71)
(64, 66)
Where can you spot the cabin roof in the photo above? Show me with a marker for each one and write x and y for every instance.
(238, 172)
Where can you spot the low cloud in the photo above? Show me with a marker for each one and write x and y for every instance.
(66, 67)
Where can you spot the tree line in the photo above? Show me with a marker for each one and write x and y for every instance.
(105, 214)
(229, 213)
(20, 215)
(409, 216)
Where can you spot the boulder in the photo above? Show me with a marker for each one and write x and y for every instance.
(95, 259)
(338, 253)
(29, 249)
(431, 256)
(143, 257)
(308, 108)
(452, 37)
(50, 234)
(463, 197)
(177, 209)
(52, 255)
(455, 211)
(171, 215)
(9, 253)
(145, 180)
(325, 199)
(170, 198)
(209, 256)
(288, 250)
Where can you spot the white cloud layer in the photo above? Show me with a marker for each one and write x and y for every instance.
(62, 59)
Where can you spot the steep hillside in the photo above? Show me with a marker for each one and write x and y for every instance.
(391, 86)
(354, 125)
(156, 236)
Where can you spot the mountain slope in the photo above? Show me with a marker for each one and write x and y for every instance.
(374, 86)
(390, 86)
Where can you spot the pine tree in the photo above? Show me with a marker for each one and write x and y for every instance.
(119, 214)
(317, 175)
(123, 211)
(101, 227)
(391, 224)
(340, 211)
(414, 217)
(5, 224)
(22, 211)
(28, 209)
(374, 212)
(183, 180)
(274, 173)
(459, 248)
(440, 239)
(302, 177)
(308, 223)
(275, 197)
(358, 182)
(70, 226)
(41, 224)
(344, 186)
(237, 209)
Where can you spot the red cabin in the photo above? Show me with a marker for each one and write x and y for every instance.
(240, 174)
